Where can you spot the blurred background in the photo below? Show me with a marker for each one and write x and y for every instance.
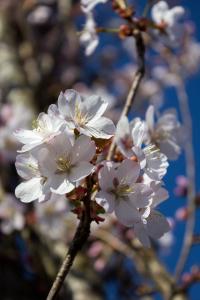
(41, 55)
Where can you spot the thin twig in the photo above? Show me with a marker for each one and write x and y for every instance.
(190, 171)
(135, 85)
(80, 237)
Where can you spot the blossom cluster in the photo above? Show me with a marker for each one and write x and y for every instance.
(166, 23)
(62, 150)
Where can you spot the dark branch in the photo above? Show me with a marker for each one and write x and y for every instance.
(80, 237)
(140, 47)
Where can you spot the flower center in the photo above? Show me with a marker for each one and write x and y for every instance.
(80, 117)
(151, 149)
(63, 165)
(39, 127)
(121, 190)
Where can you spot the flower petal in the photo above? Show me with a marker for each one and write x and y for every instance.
(26, 166)
(126, 214)
(80, 171)
(128, 171)
(102, 128)
(157, 225)
(61, 185)
(30, 190)
(84, 149)
(106, 200)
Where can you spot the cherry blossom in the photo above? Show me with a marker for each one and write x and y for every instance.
(65, 161)
(166, 133)
(85, 114)
(129, 139)
(121, 193)
(36, 185)
(152, 223)
(169, 19)
(154, 226)
(45, 128)
(89, 38)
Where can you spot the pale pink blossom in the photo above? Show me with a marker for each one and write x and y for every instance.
(121, 193)
(89, 38)
(166, 133)
(45, 128)
(169, 18)
(130, 139)
(85, 114)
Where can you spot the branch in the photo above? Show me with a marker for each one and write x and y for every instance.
(190, 171)
(80, 237)
(140, 47)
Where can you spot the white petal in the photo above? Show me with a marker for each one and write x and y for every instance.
(80, 171)
(27, 136)
(140, 156)
(160, 195)
(128, 171)
(67, 103)
(126, 214)
(150, 118)
(61, 144)
(106, 176)
(170, 149)
(123, 137)
(29, 190)
(84, 149)
(106, 200)
(26, 166)
(102, 128)
(141, 196)
(140, 232)
(138, 133)
(157, 225)
(95, 107)
(61, 186)
(159, 10)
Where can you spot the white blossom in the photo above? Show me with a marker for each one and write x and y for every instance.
(130, 138)
(89, 38)
(36, 185)
(169, 18)
(166, 133)
(88, 5)
(153, 224)
(55, 168)
(121, 193)
(85, 114)
(45, 128)
(66, 161)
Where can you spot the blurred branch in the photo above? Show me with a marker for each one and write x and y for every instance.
(140, 48)
(190, 171)
(146, 264)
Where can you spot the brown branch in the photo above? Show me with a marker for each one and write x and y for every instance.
(190, 171)
(140, 47)
(80, 237)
